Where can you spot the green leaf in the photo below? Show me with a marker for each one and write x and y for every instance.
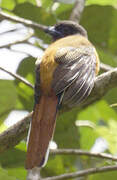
(7, 4)
(21, 146)
(104, 176)
(47, 4)
(25, 93)
(102, 2)
(8, 98)
(38, 14)
(63, 11)
(3, 127)
(13, 161)
(110, 134)
(101, 29)
(23, 1)
(4, 175)
(98, 113)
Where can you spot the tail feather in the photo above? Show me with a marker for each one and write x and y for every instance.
(42, 129)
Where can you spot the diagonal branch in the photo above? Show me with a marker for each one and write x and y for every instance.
(14, 134)
(77, 10)
(83, 173)
(106, 67)
(24, 39)
(16, 76)
(103, 84)
(26, 22)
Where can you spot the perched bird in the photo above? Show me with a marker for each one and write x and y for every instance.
(65, 75)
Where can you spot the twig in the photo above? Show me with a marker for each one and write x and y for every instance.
(10, 30)
(18, 77)
(85, 123)
(26, 22)
(103, 84)
(106, 67)
(29, 35)
(77, 10)
(113, 105)
(83, 173)
(82, 153)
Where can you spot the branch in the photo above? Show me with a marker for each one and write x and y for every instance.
(83, 173)
(103, 84)
(26, 22)
(106, 67)
(16, 76)
(29, 35)
(77, 10)
(82, 153)
(14, 134)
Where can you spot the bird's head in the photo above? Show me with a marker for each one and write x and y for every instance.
(65, 28)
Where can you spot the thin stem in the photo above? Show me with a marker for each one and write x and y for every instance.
(82, 153)
(16, 76)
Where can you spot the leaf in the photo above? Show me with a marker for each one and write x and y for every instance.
(13, 161)
(8, 98)
(47, 4)
(4, 175)
(7, 4)
(101, 29)
(63, 11)
(98, 113)
(102, 2)
(104, 176)
(38, 14)
(109, 133)
(3, 127)
(25, 93)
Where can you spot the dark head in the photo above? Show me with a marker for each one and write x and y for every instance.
(65, 28)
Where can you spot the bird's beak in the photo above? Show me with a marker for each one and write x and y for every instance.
(51, 30)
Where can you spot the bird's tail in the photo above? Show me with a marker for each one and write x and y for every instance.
(42, 129)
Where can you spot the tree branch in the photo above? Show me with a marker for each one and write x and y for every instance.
(16, 76)
(26, 22)
(29, 35)
(82, 153)
(83, 173)
(106, 67)
(14, 134)
(77, 10)
(103, 84)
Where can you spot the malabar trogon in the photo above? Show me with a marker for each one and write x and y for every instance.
(65, 75)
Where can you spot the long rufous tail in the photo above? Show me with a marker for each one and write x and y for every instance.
(42, 129)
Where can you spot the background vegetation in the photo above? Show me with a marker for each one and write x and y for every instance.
(98, 133)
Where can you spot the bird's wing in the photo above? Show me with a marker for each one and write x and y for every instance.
(75, 73)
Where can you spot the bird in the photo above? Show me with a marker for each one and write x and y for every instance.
(65, 75)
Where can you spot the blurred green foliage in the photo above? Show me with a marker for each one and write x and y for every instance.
(100, 20)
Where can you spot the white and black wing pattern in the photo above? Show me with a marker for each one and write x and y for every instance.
(75, 73)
